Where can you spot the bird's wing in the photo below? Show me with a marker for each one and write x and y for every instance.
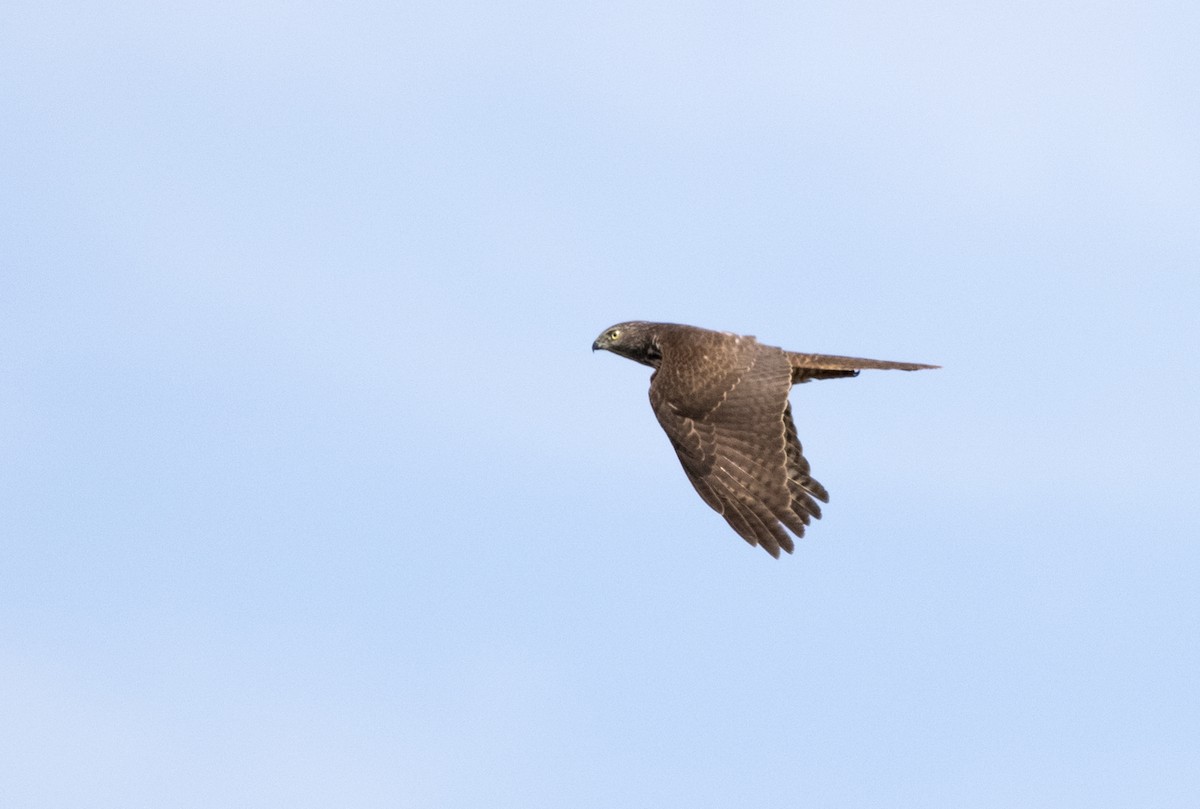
(741, 454)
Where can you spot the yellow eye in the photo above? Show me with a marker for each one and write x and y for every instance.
(614, 334)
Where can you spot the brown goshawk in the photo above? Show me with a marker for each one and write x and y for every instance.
(722, 399)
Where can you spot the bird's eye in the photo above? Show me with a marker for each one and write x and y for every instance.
(614, 334)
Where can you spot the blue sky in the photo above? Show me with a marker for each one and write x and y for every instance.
(314, 494)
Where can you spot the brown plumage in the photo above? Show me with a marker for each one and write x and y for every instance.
(723, 401)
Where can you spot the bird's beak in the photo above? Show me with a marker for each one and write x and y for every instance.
(596, 346)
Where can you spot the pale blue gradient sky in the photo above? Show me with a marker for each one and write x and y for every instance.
(314, 495)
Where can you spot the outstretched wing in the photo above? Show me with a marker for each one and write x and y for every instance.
(740, 449)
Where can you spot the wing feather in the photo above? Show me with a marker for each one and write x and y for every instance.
(740, 451)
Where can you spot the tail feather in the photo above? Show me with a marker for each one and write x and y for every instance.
(832, 366)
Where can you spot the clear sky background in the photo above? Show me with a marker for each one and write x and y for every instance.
(312, 493)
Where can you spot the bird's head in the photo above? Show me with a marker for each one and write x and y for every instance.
(635, 340)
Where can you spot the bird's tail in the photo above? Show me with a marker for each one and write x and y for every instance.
(832, 366)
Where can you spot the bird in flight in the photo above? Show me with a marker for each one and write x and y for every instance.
(722, 400)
